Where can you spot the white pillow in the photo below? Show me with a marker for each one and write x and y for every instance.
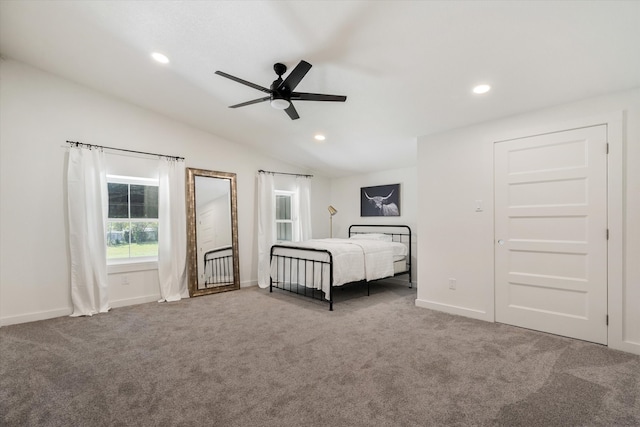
(373, 236)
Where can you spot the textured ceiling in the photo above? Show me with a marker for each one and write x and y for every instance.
(406, 67)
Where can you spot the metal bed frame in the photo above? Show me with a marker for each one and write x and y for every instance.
(217, 267)
(306, 263)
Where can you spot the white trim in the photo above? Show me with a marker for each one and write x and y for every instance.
(134, 301)
(33, 317)
(454, 309)
(248, 283)
(131, 266)
(135, 180)
(61, 312)
(615, 210)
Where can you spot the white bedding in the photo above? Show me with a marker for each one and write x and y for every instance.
(353, 260)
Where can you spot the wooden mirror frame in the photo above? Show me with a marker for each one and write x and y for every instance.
(192, 244)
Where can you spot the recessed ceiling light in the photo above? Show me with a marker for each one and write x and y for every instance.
(319, 137)
(481, 89)
(160, 58)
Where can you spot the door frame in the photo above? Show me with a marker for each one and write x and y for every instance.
(615, 214)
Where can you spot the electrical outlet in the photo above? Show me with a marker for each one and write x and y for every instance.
(452, 283)
(125, 280)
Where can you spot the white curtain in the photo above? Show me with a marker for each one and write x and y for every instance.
(303, 208)
(88, 205)
(172, 230)
(266, 225)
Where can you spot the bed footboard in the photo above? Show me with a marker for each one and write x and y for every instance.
(218, 267)
(303, 271)
(398, 233)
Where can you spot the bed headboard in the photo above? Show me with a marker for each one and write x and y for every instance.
(399, 233)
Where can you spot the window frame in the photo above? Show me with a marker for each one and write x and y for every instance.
(291, 195)
(121, 265)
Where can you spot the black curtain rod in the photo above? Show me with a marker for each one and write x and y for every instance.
(81, 144)
(285, 173)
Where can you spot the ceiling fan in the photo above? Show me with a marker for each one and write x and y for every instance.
(281, 92)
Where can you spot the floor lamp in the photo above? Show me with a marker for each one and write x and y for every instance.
(332, 212)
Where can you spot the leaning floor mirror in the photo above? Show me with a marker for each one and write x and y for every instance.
(212, 221)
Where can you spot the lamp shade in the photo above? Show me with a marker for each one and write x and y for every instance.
(332, 210)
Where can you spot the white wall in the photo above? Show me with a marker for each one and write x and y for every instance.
(345, 197)
(456, 168)
(38, 113)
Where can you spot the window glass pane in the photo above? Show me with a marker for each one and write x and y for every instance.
(283, 206)
(132, 239)
(284, 231)
(144, 201)
(118, 200)
(144, 239)
(117, 240)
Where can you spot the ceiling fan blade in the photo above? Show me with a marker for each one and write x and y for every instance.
(291, 111)
(303, 96)
(244, 82)
(255, 101)
(295, 76)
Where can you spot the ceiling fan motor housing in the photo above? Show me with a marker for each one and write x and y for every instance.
(280, 96)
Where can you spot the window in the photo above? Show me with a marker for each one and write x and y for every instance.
(284, 218)
(132, 225)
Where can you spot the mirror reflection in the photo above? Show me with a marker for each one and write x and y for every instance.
(213, 254)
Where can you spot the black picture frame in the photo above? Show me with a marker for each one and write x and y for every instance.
(380, 200)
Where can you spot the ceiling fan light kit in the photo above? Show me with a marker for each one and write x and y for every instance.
(280, 104)
(281, 92)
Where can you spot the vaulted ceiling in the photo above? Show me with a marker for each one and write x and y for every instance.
(407, 67)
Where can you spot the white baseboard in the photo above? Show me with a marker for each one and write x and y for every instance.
(50, 314)
(134, 301)
(628, 346)
(34, 317)
(453, 309)
(248, 283)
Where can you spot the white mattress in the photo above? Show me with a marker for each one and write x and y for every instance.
(400, 266)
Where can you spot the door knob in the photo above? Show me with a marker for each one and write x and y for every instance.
(501, 242)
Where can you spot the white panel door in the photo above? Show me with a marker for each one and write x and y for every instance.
(551, 233)
(205, 238)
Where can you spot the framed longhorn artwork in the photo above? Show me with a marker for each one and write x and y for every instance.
(381, 200)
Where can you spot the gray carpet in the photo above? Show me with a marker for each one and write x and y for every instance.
(250, 358)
